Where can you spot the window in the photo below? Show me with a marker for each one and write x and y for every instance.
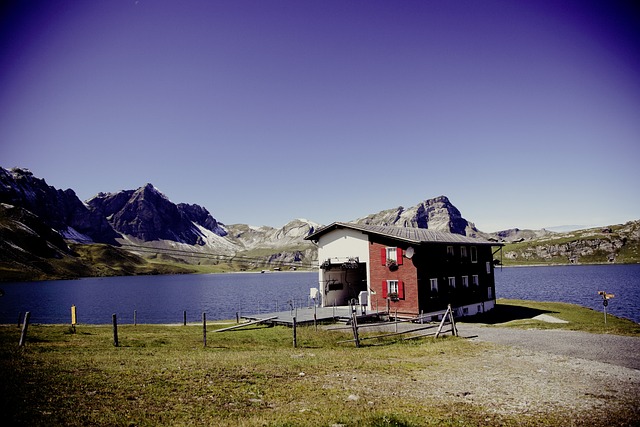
(465, 281)
(452, 282)
(449, 250)
(490, 292)
(474, 254)
(476, 282)
(434, 285)
(488, 267)
(391, 255)
(392, 286)
(463, 251)
(395, 287)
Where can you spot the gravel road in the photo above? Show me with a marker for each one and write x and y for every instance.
(611, 349)
(556, 376)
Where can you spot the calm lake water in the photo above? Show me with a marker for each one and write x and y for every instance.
(163, 299)
(577, 284)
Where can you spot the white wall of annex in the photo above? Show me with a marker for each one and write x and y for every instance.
(343, 243)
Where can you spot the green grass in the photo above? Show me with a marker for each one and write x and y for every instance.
(520, 313)
(163, 375)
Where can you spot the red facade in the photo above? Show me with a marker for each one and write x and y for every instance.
(406, 274)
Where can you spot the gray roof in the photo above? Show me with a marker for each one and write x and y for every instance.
(404, 234)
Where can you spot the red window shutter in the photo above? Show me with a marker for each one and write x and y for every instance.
(385, 289)
(383, 255)
(399, 257)
(400, 289)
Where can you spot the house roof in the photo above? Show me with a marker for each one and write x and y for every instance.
(403, 234)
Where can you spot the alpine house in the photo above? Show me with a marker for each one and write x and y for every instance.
(408, 271)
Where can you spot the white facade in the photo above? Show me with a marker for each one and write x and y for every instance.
(340, 246)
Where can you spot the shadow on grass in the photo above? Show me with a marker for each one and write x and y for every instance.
(506, 313)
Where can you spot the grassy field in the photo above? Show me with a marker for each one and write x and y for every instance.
(521, 313)
(163, 375)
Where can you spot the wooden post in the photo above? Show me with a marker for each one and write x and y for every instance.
(115, 330)
(204, 329)
(295, 334)
(237, 317)
(396, 319)
(25, 325)
(315, 317)
(454, 330)
(184, 318)
(135, 317)
(354, 326)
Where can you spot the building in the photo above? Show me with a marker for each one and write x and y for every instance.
(411, 271)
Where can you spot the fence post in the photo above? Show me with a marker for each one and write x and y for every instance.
(315, 316)
(295, 335)
(115, 330)
(184, 318)
(135, 317)
(396, 319)
(354, 326)
(204, 329)
(25, 325)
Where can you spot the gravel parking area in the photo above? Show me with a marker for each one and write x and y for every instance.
(610, 349)
(575, 377)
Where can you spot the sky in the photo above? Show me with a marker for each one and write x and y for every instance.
(523, 113)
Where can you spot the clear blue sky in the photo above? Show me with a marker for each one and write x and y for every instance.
(524, 113)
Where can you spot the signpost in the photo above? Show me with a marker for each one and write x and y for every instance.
(605, 302)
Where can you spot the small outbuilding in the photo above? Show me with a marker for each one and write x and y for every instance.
(411, 271)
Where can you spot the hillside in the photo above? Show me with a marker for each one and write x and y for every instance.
(30, 250)
(612, 244)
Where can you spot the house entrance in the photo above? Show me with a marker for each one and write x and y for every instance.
(342, 282)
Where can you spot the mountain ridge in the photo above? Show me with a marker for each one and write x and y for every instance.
(146, 223)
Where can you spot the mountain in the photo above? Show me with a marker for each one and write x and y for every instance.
(437, 214)
(514, 235)
(612, 244)
(148, 215)
(26, 242)
(60, 210)
(41, 226)
(278, 245)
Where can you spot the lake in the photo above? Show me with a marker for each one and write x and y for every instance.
(577, 284)
(163, 299)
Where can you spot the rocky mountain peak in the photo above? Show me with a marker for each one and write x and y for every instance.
(437, 214)
(60, 210)
(147, 214)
